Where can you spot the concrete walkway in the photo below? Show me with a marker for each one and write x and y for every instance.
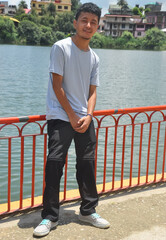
(139, 214)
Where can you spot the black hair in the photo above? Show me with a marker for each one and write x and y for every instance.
(89, 7)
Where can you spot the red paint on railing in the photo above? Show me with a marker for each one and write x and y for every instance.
(9, 173)
(33, 171)
(105, 159)
(123, 155)
(117, 159)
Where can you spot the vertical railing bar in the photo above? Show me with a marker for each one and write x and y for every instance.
(123, 155)
(114, 158)
(97, 136)
(105, 158)
(33, 171)
(45, 160)
(164, 155)
(21, 172)
(9, 173)
(65, 178)
(140, 154)
(157, 146)
(132, 150)
(148, 155)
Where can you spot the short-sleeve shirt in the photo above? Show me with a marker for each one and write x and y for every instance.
(79, 69)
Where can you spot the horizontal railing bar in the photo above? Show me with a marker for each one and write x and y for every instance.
(68, 200)
(32, 118)
(129, 110)
(96, 113)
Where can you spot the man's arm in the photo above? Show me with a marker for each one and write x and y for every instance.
(85, 121)
(61, 96)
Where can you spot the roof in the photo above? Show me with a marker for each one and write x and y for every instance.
(113, 6)
(13, 19)
(117, 15)
(27, 10)
(153, 3)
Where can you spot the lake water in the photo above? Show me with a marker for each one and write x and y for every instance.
(127, 79)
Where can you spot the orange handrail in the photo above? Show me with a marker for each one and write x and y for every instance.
(131, 142)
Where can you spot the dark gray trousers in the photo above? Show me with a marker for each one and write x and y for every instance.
(60, 135)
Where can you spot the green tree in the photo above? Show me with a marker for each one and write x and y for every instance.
(147, 10)
(19, 12)
(59, 35)
(64, 22)
(136, 11)
(23, 4)
(124, 8)
(154, 39)
(51, 9)
(97, 41)
(34, 12)
(44, 20)
(127, 36)
(47, 36)
(120, 43)
(20, 15)
(141, 9)
(29, 32)
(7, 30)
(43, 10)
(123, 4)
(75, 4)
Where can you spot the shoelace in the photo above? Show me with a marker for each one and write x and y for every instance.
(95, 215)
(45, 222)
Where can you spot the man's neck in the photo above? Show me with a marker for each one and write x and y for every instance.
(82, 44)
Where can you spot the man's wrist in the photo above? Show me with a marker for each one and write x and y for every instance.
(88, 114)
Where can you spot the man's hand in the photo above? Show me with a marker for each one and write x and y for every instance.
(83, 124)
(74, 121)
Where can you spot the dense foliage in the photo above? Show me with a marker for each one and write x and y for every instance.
(51, 26)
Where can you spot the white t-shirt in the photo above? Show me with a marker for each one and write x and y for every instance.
(79, 69)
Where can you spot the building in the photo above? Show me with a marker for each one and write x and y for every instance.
(115, 25)
(117, 10)
(141, 28)
(158, 19)
(154, 6)
(61, 5)
(12, 10)
(116, 22)
(6, 9)
(3, 7)
(101, 24)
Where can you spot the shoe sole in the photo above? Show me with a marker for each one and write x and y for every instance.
(38, 234)
(93, 224)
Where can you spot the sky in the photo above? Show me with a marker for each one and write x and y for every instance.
(104, 4)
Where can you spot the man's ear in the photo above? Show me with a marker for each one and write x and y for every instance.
(74, 23)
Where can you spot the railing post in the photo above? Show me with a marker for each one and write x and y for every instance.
(21, 172)
(9, 173)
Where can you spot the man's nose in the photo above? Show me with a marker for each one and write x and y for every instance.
(88, 24)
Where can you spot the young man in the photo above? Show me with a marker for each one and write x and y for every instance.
(71, 101)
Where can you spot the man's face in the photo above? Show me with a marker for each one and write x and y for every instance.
(86, 25)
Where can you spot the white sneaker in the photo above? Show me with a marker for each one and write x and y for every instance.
(44, 228)
(95, 220)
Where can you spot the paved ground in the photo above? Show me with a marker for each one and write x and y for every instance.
(135, 215)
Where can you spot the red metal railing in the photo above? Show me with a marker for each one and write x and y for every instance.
(130, 151)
